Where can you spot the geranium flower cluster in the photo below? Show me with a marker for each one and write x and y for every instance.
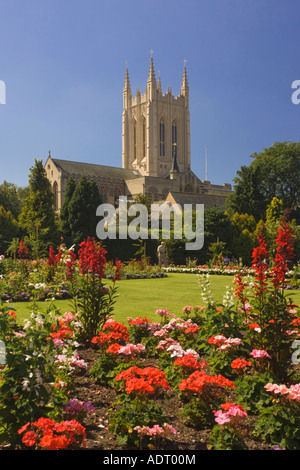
(164, 313)
(190, 363)
(291, 393)
(70, 363)
(75, 407)
(259, 354)
(175, 324)
(139, 321)
(64, 328)
(174, 347)
(156, 430)
(240, 363)
(223, 343)
(130, 350)
(200, 382)
(46, 434)
(112, 331)
(230, 413)
(147, 381)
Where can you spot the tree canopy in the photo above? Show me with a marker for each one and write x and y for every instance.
(78, 214)
(275, 172)
(37, 218)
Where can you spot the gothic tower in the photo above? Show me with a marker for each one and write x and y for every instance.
(156, 128)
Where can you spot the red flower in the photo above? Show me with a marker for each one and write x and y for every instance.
(92, 257)
(52, 259)
(284, 253)
(240, 288)
(199, 382)
(143, 381)
(113, 348)
(189, 363)
(240, 363)
(259, 264)
(23, 250)
(118, 270)
(29, 439)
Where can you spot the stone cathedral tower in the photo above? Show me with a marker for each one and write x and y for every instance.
(156, 153)
(156, 128)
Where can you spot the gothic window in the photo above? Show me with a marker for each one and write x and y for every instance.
(174, 139)
(162, 138)
(134, 139)
(189, 188)
(117, 194)
(55, 193)
(103, 193)
(153, 194)
(144, 137)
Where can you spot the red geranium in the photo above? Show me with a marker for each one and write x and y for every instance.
(46, 434)
(148, 381)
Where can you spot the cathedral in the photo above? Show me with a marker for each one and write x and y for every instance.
(156, 153)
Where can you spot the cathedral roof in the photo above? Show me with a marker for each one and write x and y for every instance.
(91, 169)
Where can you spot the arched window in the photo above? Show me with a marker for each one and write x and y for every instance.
(189, 188)
(103, 193)
(144, 137)
(118, 192)
(134, 139)
(174, 139)
(55, 193)
(153, 193)
(162, 138)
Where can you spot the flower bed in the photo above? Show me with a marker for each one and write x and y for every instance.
(218, 377)
(24, 280)
(220, 270)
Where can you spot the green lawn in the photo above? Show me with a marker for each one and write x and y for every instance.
(137, 297)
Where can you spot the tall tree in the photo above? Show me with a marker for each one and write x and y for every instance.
(81, 210)
(65, 222)
(275, 172)
(9, 229)
(10, 199)
(37, 217)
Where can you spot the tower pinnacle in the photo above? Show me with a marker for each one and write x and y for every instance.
(184, 86)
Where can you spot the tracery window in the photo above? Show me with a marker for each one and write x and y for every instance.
(174, 139)
(144, 137)
(162, 138)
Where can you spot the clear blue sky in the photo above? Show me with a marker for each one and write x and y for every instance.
(63, 63)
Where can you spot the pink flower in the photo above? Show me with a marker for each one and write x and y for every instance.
(259, 354)
(294, 392)
(236, 411)
(221, 417)
(231, 410)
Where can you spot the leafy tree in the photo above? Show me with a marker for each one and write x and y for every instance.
(274, 214)
(275, 172)
(217, 229)
(243, 238)
(65, 226)
(37, 217)
(11, 197)
(81, 210)
(9, 228)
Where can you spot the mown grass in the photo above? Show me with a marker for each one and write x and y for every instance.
(137, 297)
